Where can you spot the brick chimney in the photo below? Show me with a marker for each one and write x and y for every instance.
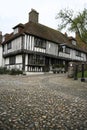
(0, 36)
(33, 16)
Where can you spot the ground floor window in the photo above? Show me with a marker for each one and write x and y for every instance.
(12, 60)
(35, 59)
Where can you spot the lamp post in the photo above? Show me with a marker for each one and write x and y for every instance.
(82, 78)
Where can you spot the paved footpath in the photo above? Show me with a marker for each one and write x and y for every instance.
(43, 102)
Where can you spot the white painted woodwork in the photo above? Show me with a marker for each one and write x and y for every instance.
(18, 59)
(26, 59)
(37, 49)
(29, 43)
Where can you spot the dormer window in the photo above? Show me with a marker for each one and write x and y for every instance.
(15, 30)
(74, 42)
(9, 45)
(18, 28)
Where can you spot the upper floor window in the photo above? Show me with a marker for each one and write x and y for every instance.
(9, 45)
(67, 50)
(60, 48)
(40, 43)
(78, 53)
(15, 30)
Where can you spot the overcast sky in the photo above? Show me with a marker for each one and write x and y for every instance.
(13, 12)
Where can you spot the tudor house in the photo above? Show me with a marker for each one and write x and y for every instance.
(33, 47)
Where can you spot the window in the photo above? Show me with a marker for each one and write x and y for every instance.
(36, 59)
(67, 50)
(12, 60)
(9, 45)
(60, 48)
(40, 43)
(15, 30)
(78, 53)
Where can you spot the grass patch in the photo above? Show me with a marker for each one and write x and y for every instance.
(80, 74)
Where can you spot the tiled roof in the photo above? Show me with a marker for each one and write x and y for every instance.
(44, 32)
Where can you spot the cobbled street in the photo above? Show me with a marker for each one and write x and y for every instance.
(42, 102)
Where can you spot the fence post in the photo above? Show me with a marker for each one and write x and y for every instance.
(82, 78)
(76, 71)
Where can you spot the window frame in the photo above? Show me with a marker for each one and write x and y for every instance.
(78, 53)
(12, 60)
(39, 43)
(67, 50)
(35, 59)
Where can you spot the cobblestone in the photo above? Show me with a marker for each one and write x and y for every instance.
(43, 102)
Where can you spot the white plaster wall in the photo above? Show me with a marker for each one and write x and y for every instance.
(19, 59)
(16, 44)
(51, 48)
(26, 59)
(6, 61)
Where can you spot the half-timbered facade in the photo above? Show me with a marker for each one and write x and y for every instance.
(33, 47)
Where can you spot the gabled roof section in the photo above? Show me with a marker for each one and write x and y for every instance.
(47, 33)
(19, 25)
(41, 31)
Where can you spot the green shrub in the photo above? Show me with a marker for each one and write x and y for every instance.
(15, 71)
(4, 70)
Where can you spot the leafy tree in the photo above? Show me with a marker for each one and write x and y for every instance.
(73, 23)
